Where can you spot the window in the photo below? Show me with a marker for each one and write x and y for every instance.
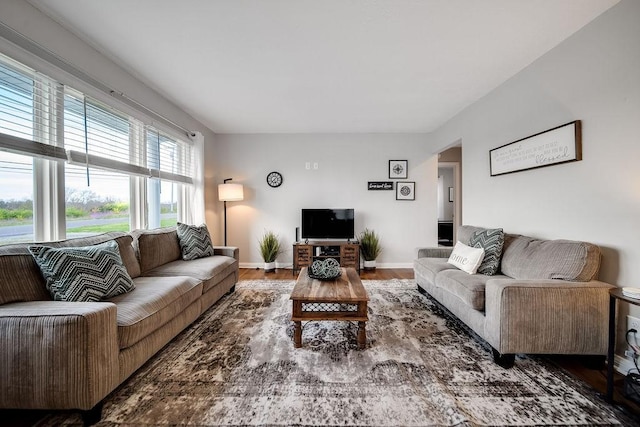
(97, 208)
(16, 199)
(78, 166)
(170, 162)
(169, 203)
(16, 119)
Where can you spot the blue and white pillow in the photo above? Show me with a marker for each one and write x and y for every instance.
(89, 273)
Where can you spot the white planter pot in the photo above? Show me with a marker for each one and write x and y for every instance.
(370, 265)
(269, 267)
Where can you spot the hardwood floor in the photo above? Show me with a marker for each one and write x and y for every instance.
(287, 274)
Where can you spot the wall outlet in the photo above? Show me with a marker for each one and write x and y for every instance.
(633, 323)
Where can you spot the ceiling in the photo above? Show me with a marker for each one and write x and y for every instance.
(323, 66)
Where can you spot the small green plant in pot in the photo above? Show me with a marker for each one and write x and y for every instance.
(269, 250)
(370, 248)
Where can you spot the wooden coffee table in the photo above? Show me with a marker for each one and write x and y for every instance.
(341, 299)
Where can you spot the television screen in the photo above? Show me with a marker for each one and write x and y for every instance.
(327, 223)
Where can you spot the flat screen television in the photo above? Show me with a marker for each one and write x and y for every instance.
(327, 223)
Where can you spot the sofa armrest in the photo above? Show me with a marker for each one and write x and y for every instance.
(57, 355)
(434, 252)
(230, 251)
(547, 316)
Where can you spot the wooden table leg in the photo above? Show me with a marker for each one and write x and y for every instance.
(362, 336)
(297, 334)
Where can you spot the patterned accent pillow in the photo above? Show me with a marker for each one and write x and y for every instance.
(492, 241)
(195, 242)
(89, 273)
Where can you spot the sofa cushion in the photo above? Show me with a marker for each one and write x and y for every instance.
(466, 231)
(195, 241)
(469, 288)
(491, 240)
(210, 270)
(430, 267)
(156, 247)
(128, 255)
(155, 302)
(466, 258)
(528, 258)
(20, 277)
(89, 273)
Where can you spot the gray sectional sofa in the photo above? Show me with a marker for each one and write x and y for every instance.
(545, 298)
(70, 355)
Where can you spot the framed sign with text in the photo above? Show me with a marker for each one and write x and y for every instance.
(561, 144)
(380, 185)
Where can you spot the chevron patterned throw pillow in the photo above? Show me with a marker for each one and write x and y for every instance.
(195, 242)
(89, 273)
(491, 240)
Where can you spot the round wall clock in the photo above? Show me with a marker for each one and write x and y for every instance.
(274, 179)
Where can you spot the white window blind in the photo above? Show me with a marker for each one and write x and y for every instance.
(40, 118)
(169, 159)
(28, 119)
(98, 136)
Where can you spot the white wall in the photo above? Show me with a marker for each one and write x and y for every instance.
(594, 76)
(345, 164)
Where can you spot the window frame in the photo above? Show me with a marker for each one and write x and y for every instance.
(50, 156)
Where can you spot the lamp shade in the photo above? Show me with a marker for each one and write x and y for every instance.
(230, 192)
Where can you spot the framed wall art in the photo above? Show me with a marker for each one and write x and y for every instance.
(561, 144)
(398, 169)
(406, 191)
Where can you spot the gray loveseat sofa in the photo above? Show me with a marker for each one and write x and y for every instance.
(545, 299)
(70, 355)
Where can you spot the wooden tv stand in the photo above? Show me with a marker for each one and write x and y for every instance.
(346, 253)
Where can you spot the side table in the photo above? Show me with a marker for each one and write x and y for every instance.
(614, 295)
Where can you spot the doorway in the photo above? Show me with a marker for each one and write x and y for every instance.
(449, 195)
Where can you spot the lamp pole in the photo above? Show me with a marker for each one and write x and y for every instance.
(225, 215)
(229, 193)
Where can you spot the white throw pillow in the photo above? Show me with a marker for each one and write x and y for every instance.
(466, 258)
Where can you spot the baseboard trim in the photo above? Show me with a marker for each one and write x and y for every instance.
(260, 265)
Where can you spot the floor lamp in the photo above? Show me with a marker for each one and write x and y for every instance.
(228, 192)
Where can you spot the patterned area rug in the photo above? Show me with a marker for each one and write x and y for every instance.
(236, 365)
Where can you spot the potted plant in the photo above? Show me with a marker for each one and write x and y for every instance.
(369, 248)
(269, 250)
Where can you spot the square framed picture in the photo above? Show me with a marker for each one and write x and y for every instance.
(398, 169)
(406, 191)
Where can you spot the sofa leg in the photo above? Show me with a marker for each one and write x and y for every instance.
(504, 360)
(232, 290)
(93, 415)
